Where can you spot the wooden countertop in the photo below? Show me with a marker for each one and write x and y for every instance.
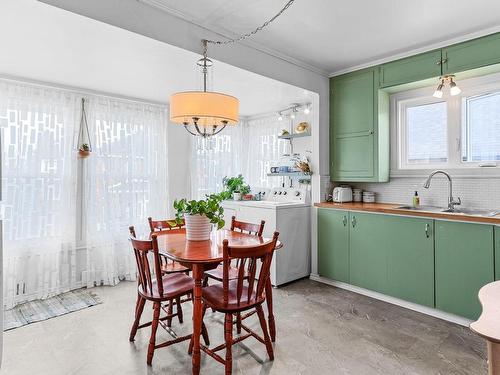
(391, 208)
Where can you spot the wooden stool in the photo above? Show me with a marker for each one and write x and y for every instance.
(488, 324)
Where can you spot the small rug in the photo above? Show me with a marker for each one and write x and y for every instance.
(36, 311)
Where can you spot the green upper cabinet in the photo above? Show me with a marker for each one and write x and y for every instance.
(497, 253)
(473, 54)
(359, 129)
(464, 263)
(333, 244)
(411, 69)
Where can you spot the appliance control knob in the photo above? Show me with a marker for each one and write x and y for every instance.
(279, 193)
(284, 193)
(275, 192)
(297, 193)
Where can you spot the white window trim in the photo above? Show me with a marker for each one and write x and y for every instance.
(469, 87)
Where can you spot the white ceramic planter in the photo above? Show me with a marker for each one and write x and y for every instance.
(198, 227)
(236, 196)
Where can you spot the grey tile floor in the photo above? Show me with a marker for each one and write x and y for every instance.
(321, 330)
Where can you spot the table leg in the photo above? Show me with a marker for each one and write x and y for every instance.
(493, 358)
(270, 313)
(197, 317)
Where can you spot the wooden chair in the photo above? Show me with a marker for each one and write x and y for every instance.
(239, 226)
(241, 294)
(216, 274)
(157, 288)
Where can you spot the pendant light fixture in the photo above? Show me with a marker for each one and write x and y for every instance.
(447, 80)
(206, 113)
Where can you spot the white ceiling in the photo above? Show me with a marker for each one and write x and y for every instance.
(332, 35)
(52, 45)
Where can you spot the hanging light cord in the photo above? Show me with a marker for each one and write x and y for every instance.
(255, 31)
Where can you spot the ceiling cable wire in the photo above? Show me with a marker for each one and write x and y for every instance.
(253, 32)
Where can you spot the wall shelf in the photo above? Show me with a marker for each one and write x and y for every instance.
(294, 135)
(301, 175)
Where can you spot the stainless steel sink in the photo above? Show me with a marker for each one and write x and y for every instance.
(473, 212)
(457, 211)
(422, 208)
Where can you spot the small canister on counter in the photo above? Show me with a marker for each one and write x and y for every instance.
(368, 197)
(357, 195)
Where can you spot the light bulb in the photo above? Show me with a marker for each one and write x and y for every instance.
(280, 117)
(438, 94)
(307, 110)
(292, 115)
(439, 91)
(454, 89)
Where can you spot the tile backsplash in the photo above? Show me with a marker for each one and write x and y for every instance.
(481, 193)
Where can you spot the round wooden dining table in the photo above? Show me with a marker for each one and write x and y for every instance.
(200, 256)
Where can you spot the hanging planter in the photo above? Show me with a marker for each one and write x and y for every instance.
(84, 143)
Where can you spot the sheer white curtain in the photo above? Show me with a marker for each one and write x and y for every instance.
(264, 149)
(38, 183)
(125, 182)
(214, 158)
(250, 148)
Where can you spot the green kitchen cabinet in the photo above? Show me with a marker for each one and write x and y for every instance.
(464, 263)
(368, 239)
(472, 54)
(393, 255)
(411, 69)
(410, 259)
(333, 244)
(497, 253)
(359, 128)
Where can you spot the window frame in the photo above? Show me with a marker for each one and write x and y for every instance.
(456, 114)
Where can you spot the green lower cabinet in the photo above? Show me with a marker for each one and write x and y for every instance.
(333, 244)
(368, 241)
(393, 255)
(497, 253)
(464, 263)
(410, 259)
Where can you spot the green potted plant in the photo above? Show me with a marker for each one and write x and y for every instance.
(234, 187)
(84, 150)
(199, 215)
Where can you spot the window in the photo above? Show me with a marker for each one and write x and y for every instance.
(454, 132)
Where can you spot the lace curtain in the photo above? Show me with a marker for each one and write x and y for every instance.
(250, 148)
(65, 220)
(38, 184)
(214, 158)
(125, 182)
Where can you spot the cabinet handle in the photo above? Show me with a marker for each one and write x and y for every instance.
(353, 221)
(344, 220)
(427, 230)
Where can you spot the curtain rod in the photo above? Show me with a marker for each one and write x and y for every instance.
(78, 90)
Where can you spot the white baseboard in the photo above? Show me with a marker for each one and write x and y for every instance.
(395, 301)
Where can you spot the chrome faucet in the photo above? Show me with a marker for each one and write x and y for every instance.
(451, 201)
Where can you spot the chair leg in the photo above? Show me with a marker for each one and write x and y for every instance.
(139, 307)
(179, 310)
(205, 281)
(169, 313)
(270, 313)
(263, 325)
(154, 327)
(204, 331)
(228, 335)
(238, 323)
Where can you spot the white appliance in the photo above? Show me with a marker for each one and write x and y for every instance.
(342, 194)
(286, 210)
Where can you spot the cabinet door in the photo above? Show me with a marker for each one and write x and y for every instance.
(353, 103)
(475, 53)
(333, 244)
(497, 253)
(368, 251)
(410, 259)
(411, 69)
(353, 157)
(464, 263)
